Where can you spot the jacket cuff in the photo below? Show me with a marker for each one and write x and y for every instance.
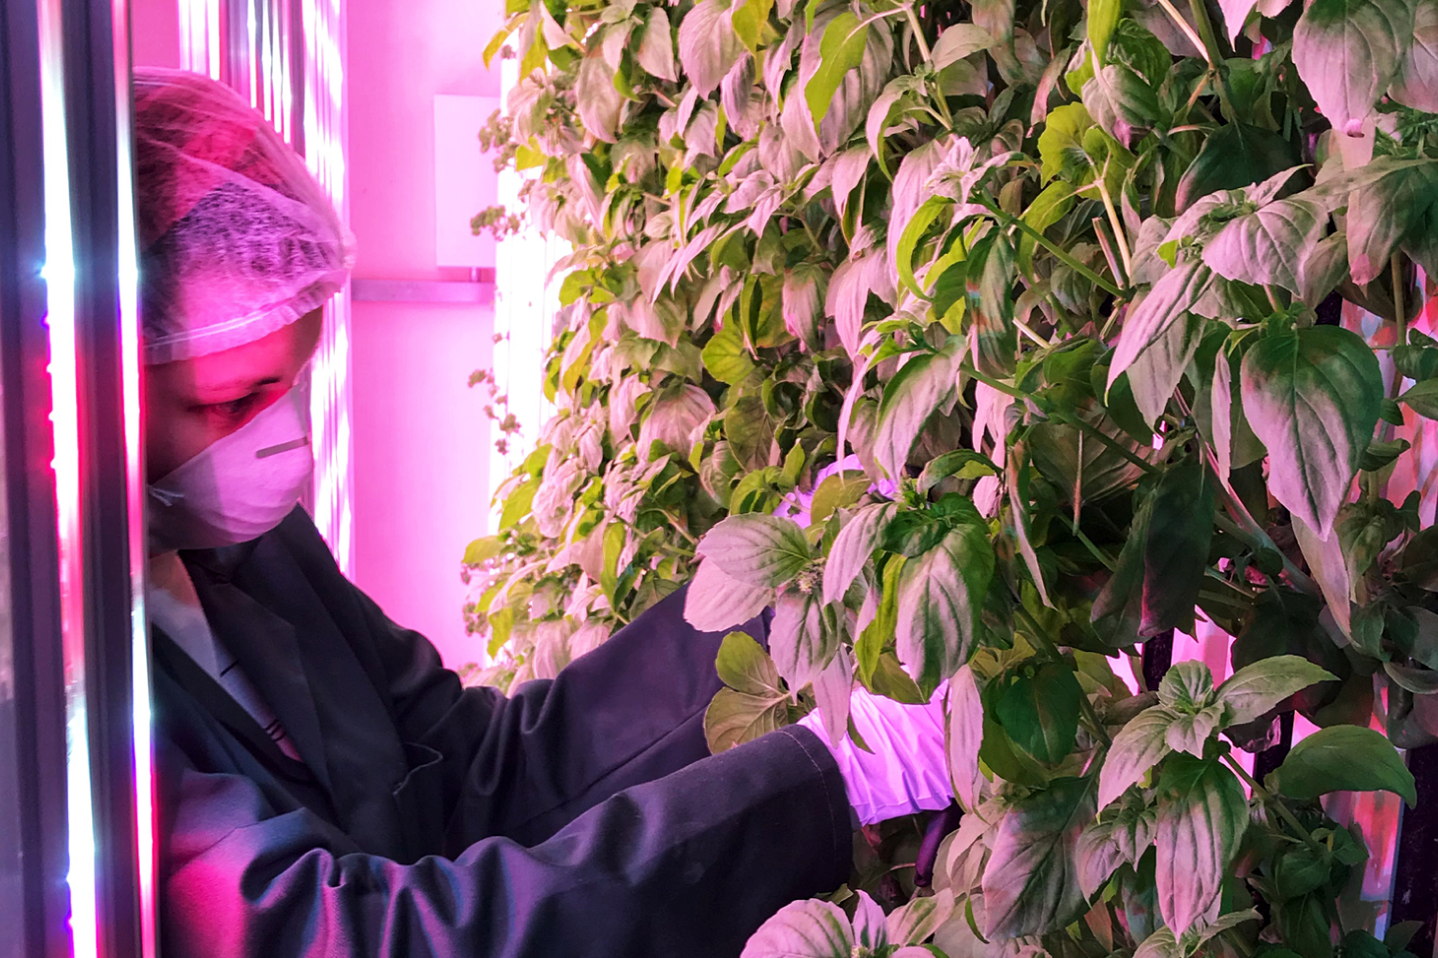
(842, 818)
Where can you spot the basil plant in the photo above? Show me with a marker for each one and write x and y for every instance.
(986, 341)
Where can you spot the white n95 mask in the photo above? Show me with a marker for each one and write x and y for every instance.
(239, 487)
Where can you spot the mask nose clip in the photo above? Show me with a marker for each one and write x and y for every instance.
(275, 450)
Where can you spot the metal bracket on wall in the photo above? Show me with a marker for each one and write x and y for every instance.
(478, 290)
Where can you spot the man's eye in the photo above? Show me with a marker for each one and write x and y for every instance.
(232, 410)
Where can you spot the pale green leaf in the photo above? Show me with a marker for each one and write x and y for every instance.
(1202, 815)
(804, 929)
(920, 387)
(1417, 82)
(1348, 52)
(798, 640)
(840, 50)
(734, 718)
(1103, 17)
(1256, 688)
(1171, 297)
(708, 45)
(759, 550)
(965, 735)
(852, 547)
(1031, 882)
(655, 53)
(716, 602)
(957, 42)
(1137, 747)
(1270, 245)
(940, 596)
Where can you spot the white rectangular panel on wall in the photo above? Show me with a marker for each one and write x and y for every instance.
(464, 180)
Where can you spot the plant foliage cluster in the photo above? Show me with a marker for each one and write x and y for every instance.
(985, 340)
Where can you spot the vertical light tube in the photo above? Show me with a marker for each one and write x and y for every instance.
(60, 307)
(129, 279)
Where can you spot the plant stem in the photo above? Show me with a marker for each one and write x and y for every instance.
(993, 383)
(1395, 265)
(1065, 258)
(1213, 55)
(1117, 224)
(1183, 25)
(927, 54)
(1103, 437)
(1275, 803)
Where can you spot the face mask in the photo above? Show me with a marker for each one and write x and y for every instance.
(239, 487)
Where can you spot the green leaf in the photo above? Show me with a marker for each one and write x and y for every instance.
(1345, 758)
(1031, 882)
(1236, 155)
(744, 666)
(1176, 547)
(1348, 52)
(1171, 297)
(1389, 211)
(916, 921)
(726, 357)
(840, 50)
(1417, 82)
(960, 463)
(734, 718)
(1269, 246)
(597, 99)
(655, 53)
(1187, 687)
(708, 45)
(959, 41)
(1103, 17)
(518, 503)
(965, 737)
(749, 18)
(798, 640)
(853, 546)
(483, 549)
(1117, 839)
(1157, 370)
(940, 596)
(921, 385)
(924, 216)
(1422, 398)
(838, 491)
(804, 929)
(1041, 712)
(1050, 206)
(1202, 815)
(1312, 397)
(1061, 142)
(1121, 103)
(716, 602)
(758, 550)
(1137, 747)
(1256, 688)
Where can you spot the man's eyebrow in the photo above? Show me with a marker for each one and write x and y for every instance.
(238, 383)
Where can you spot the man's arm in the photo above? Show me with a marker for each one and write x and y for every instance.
(522, 766)
(687, 865)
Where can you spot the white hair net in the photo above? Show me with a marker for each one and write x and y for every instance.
(236, 238)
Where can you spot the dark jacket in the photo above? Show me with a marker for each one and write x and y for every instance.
(579, 817)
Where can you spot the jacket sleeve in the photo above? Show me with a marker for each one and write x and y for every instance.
(522, 766)
(687, 865)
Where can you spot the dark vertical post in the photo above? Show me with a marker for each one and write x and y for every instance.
(1270, 758)
(35, 907)
(1415, 873)
(104, 488)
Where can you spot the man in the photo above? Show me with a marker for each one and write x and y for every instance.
(326, 787)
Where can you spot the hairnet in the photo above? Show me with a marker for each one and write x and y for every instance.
(236, 238)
